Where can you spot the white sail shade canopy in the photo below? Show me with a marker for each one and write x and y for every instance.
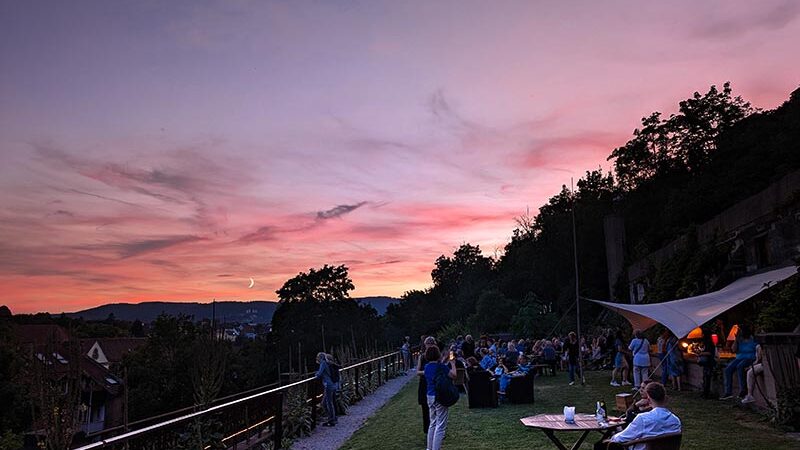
(682, 316)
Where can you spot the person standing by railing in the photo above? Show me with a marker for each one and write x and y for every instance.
(405, 351)
(325, 373)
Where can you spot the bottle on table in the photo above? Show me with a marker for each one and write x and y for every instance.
(600, 413)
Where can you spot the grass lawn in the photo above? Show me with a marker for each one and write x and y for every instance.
(707, 424)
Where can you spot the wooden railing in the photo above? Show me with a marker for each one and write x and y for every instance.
(265, 417)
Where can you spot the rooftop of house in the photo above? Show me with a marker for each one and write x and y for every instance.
(114, 348)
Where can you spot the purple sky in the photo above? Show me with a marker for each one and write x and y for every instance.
(171, 150)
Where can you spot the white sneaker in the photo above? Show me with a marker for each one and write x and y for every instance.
(571, 383)
(625, 383)
(615, 384)
(748, 399)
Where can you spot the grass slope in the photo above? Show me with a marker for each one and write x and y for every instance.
(707, 424)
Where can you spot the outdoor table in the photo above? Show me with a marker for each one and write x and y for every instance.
(584, 423)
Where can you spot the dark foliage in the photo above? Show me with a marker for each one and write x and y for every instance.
(317, 314)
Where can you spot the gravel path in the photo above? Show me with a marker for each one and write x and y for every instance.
(330, 438)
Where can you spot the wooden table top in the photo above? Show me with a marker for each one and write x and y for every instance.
(556, 422)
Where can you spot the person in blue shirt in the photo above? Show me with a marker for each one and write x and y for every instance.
(487, 362)
(523, 367)
(620, 363)
(521, 346)
(656, 422)
(438, 412)
(500, 368)
(330, 387)
(511, 355)
(640, 349)
(673, 361)
(745, 348)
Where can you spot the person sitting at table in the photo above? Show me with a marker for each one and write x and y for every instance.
(640, 406)
(512, 355)
(500, 368)
(549, 355)
(656, 422)
(473, 366)
(488, 361)
(523, 367)
(521, 346)
(502, 348)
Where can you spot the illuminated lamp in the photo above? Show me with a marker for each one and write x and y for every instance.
(732, 334)
(697, 333)
(715, 339)
(685, 344)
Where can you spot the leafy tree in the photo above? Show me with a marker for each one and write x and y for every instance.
(56, 393)
(458, 280)
(207, 371)
(158, 372)
(417, 313)
(493, 312)
(780, 311)
(684, 142)
(534, 318)
(15, 415)
(328, 284)
(317, 313)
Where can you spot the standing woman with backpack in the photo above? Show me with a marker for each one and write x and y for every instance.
(439, 413)
(328, 372)
(422, 391)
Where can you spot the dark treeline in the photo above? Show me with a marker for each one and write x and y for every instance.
(674, 173)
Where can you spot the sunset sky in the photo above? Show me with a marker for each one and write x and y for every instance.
(168, 150)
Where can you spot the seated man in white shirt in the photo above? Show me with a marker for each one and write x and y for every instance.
(654, 423)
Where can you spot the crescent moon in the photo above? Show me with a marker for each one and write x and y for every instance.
(252, 283)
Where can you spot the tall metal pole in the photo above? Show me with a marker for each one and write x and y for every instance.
(324, 349)
(577, 281)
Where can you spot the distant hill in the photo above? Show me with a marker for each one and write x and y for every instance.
(259, 311)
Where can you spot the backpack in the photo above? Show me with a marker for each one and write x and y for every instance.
(446, 392)
(334, 368)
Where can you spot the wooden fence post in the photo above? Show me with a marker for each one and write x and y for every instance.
(357, 376)
(312, 394)
(277, 436)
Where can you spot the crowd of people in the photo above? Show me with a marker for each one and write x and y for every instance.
(517, 357)
(605, 349)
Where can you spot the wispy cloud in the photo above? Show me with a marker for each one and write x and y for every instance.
(338, 211)
(136, 248)
(265, 233)
(766, 17)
